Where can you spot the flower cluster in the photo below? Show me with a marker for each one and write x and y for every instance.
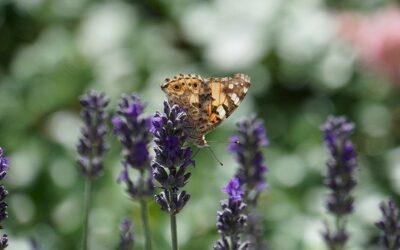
(133, 131)
(92, 144)
(231, 221)
(390, 226)
(247, 148)
(339, 178)
(172, 157)
(3, 194)
(126, 235)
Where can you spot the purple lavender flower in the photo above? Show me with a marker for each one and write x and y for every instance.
(231, 221)
(133, 131)
(4, 161)
(247, 148)
(251, 173)
(3, 241)
(126, 235)
(390, 226)
(172, 158)
(339, 178)
(92, 144)
(91, 148)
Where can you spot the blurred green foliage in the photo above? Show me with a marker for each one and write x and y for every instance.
(51, 52)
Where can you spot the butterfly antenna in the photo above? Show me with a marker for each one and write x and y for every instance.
(224, 142)
(195, 153)
(215, 157)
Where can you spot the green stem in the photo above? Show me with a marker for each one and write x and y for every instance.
(232, 241)
(339, 225)
(86, 211)
(174, 235)
(145, 223)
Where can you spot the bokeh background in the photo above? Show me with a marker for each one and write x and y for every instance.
(307, 59)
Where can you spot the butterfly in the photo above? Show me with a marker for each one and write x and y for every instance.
(207, 101)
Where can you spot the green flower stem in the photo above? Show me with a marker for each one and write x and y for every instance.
(145, 223)
(339, 227)
(86, 212)
(174, 235)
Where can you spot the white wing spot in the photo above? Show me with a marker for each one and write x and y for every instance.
(235, 99)
(245, 89)
(233, 96)
(221, 111)
(230, 86)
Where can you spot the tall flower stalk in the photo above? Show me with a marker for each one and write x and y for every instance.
(91, 147)
(171, 162)
(246, 146)
(231, 220)
(3, 194)
(339, 178)
(390, 226)
(133, 131)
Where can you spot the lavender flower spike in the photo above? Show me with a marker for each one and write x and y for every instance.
(92, 144)
(133, 131)
(91, 148)
(339, 178)
(251, 173)
(247, 148)
(126, 237)
(3, 194)
(171, 162)
(231, 221)
(390, 226)
(172, 158)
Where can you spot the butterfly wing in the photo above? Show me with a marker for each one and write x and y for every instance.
(223, 97)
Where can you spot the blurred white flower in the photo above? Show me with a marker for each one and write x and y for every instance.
(66, 215)
(22, 208)
(25, 165)
(234, 32)
(304, 31)
(104, 28)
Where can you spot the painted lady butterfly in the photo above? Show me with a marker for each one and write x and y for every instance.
(208, 101)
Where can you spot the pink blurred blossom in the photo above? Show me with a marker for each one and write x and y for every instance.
(377, 38)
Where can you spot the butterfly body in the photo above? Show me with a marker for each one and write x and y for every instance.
(207, 101)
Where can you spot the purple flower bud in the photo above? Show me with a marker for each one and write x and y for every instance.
(133, 132)
(3, 242)
(126, 235)
(389, 225)
(247, 148)
(92, 143)
(231, 220)
(233, 189)
(339, 177)
(172, 157)
(4, 161)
